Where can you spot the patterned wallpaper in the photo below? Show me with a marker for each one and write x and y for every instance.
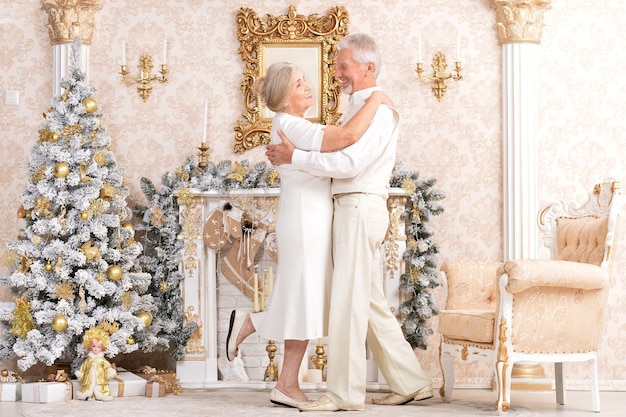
(581, 111)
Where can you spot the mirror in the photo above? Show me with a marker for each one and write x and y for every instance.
(310, 42)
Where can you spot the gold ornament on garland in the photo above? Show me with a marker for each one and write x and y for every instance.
(96, 207)
(59, 266)
(22, 318)
(130, 340)
(24, 265)
(109, 326)
(39, 174)
(61, 169)
(408, 186)
(100, 277)
(158, 217)
(59, 323)
(127, 299)
(145, 317)
(107, 192)
(90, 104)
(48, 266)
(42, 208)
(163, 286)
(84, 215)
(115, 273)
(184, 196)
(82, 168)
(92, 253)
(54, 137)
(100, 159)
(64, 291)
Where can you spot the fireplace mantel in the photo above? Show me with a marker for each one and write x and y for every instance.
(208, 297)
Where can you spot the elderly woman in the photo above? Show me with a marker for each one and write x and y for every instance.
(299, 307)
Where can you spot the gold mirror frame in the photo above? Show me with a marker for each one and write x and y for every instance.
(255, 34)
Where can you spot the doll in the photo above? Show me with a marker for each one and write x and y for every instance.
(95, 371)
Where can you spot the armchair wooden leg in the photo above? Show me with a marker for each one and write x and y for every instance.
(595, 389)
(559, 382)
(447, 369)
(503, 385)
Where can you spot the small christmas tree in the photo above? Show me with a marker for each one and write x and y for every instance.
(75, 261)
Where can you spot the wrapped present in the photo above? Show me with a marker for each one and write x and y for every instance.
(172, 384)
(10, 391)
(46, 392)
(124, 384)
(10, 386)
(155, 388)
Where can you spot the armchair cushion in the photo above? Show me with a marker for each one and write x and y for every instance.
(471, 325)
(527, 273)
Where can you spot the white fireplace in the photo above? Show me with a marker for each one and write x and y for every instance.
(208, 297)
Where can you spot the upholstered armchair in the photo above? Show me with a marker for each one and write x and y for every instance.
(539, 310)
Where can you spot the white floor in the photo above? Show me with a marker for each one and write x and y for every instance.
(578, 403)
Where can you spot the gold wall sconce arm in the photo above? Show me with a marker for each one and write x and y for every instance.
(439, 76)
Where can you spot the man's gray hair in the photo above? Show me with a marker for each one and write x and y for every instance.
(364, 50)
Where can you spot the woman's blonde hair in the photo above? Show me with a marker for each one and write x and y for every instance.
(274, 86)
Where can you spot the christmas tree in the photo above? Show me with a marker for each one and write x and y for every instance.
(74, 263)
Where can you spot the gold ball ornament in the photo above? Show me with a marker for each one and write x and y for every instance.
(90, 104)
(115, 272)
(61, 169)
(130, 340)
(146, 317)
(59, 323)
(84, 215)
(54, 137)
(21, 212)
(48, 266)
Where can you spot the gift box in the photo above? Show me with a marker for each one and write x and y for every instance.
(169, 377)
(124, 384)
(46, 392)
(155, 389)
(10, 391)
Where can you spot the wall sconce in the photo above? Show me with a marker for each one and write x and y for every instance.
(145, 78)
(439, 66)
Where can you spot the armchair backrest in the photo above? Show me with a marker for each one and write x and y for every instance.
(471, 285)
(583, 233)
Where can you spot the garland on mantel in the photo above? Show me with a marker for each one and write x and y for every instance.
(163, 251)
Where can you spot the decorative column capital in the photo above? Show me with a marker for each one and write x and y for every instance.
(520, 20)
(69, 19)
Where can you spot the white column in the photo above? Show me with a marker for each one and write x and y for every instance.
(519, 125)
(60, 64)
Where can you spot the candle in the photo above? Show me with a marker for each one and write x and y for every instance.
(204, 122)
(123, 52)
(270, 284)
(164, 51)
(262, 286)
(458, 48)
(419, 49)
(320, 341)
(255, 295)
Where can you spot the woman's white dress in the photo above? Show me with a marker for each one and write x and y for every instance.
(298, 308)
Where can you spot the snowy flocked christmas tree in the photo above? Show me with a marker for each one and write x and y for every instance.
(75, 260)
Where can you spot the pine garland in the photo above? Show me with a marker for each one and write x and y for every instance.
(163, 252)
